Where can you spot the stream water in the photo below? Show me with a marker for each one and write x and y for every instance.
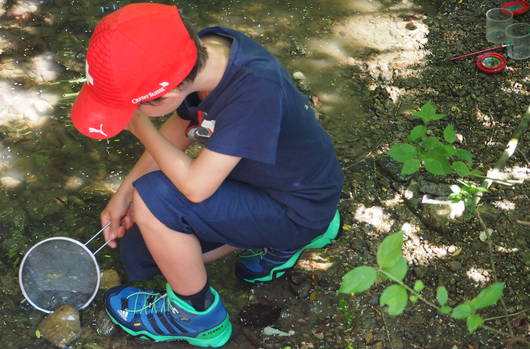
(54, 181)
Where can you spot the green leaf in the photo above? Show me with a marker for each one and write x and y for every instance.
(419, 286)
(389, 252)
(461, 168)
(482, 189)
(402, 152)
(473, 322)
(413, 298)
(488, 296)
(417, 132)
(398, 271)
(427, 113)
(395, 296)
(432, 142)
(410, 166)
(476, 173)
(437, 166)
(441, 295)
(449, 149)
(449, 134)
(358, 280)
(445, 309)
(464, 155)
(462, 311)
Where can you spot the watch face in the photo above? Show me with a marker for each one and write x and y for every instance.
(202, 132)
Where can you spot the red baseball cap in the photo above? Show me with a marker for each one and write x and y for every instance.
(136, 54)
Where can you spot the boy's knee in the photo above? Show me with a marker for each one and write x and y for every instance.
(141, 212)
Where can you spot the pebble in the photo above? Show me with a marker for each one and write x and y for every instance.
(109, 278)
(61, 327)
(455, 265)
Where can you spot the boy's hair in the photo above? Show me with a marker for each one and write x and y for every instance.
(202, 54)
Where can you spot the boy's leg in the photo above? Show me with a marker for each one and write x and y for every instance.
(178, 255)
(174, 315)
(139, 263)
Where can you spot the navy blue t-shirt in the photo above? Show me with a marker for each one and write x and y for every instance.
(263, 118)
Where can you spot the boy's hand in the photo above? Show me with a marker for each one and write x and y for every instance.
(119, 213)
(137, 121)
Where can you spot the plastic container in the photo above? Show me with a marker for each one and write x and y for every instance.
(518, 37)
(491, 63)
(497, 19)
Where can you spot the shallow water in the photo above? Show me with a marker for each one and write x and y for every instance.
(55, 181)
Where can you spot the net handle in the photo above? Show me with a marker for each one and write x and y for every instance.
(96, 234)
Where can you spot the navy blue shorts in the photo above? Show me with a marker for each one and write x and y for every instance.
(236, 214)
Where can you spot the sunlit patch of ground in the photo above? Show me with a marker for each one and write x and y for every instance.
(418, 251)
(479, 276)
(18, 104)
(375, 216)
(395, 46)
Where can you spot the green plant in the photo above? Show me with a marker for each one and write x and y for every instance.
(392, 266)
(437, 154)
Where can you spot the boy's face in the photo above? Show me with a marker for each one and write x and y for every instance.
(164, 105)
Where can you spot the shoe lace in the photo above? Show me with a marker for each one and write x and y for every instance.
(150, 306)
(254, 252)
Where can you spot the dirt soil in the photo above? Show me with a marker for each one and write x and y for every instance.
(485, 110)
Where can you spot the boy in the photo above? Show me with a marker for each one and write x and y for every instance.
(266, 180)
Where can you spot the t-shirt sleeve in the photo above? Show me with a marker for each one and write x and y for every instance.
(248, 125)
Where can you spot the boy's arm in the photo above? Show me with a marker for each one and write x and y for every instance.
(174, 131)
(116, 210)
(197, 179)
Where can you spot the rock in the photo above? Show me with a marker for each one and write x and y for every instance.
(303, 289)
(61, 327)
(109, 278)
(439, 189)
(455, 265)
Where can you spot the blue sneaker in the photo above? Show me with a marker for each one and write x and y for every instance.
(266, 264)
(164, 317)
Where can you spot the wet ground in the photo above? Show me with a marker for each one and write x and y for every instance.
(364, 64)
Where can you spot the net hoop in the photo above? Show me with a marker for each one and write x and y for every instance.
(22, 264)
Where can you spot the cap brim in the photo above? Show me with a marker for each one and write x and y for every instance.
(97, 120)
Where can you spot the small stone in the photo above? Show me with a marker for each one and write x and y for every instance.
(298, 75)
(455, 266)
(411, 26)
(61, 327)
(109, 278)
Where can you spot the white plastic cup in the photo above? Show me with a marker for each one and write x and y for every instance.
(518, 39)
(497, 19)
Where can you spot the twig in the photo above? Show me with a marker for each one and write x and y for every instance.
(504, 334)
(523, 222)
(508, 151)
(509, 315)
(386, 328)
(493, 268)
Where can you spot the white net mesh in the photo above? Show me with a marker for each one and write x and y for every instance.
(57, 272)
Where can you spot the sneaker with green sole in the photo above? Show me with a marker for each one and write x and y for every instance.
(266, 264)
(164, 317)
